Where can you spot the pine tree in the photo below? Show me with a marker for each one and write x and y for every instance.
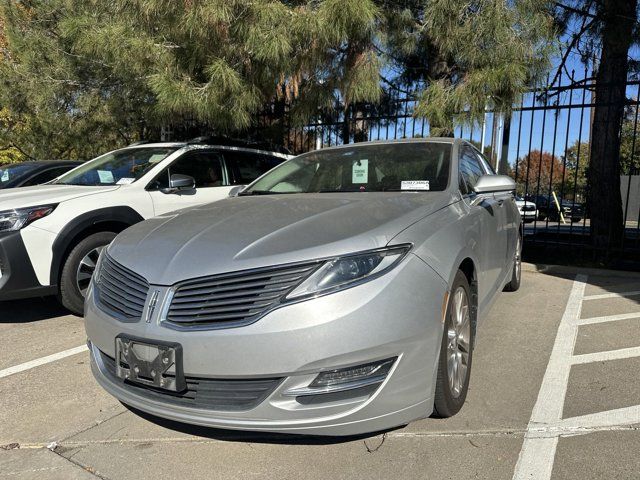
(116, 71)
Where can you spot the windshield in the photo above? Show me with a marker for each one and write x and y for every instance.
(416, 166)
(9, 173)
(121, 167)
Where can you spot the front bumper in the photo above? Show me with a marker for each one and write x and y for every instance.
(396, 315)
(17, 277)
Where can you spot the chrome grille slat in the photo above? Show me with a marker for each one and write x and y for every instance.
(231, 288)
(120, 290)
(233, 299)
(242, 293)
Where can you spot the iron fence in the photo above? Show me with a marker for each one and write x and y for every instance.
(543, 144)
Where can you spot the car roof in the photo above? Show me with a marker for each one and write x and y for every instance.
(196, 146)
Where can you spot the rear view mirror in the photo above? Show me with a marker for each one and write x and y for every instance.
(178, 182)
(495, 184)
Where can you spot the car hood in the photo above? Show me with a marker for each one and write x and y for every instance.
(250, 232)
(45, 194)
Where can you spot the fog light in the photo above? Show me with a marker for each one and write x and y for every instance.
(349, 378)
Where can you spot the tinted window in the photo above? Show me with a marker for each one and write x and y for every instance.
(204, 167)
(46, 176)
(470, 170)
(246, 167)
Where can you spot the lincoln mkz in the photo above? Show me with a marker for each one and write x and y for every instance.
(338, 294)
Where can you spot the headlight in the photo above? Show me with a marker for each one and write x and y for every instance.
(14, 220)
(344, 272)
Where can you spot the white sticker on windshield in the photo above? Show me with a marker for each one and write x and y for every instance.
(125, 181)
(360, 172)
(105, 176)
(5, 176)
(414, 185)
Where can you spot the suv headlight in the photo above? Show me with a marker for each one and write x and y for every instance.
(14, 220)
(344, 272)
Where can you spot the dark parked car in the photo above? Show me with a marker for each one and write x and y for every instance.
(547, 208)
(26, 174)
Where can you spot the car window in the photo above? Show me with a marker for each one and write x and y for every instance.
(245, 167)
(384, 167)
(120, 167)
(485, 163)
(9, 173)
(46, 176)
(205, 167)
(470, 170)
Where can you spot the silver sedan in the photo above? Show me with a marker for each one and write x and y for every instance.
(338, 294)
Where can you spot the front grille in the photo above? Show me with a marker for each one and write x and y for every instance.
(528, 208)
(205, 393)
(120, 290)
(233, 299)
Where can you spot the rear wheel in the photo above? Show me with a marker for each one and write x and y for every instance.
(78, 270)
(516, 275)
(454, 365)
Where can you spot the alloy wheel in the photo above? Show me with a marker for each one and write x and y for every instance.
(86, 268)
(458, 342)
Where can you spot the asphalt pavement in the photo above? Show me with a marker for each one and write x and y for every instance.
(554, 393)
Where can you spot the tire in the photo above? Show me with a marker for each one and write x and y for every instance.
(75, 276)
(456, 351)
(516, 272)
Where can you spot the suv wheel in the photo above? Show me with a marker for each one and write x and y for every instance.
(78, 269)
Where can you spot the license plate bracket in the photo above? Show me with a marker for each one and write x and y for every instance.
(154, 363)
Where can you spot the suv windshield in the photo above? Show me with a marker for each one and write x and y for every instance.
(121, 167)
(362, 168)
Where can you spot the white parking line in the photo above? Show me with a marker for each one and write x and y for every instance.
(608, 318)
(537, 454)
(42, 361)
(546, 425)
(612, 295)
(619, 354)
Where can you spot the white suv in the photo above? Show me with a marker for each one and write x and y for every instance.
(51, 235)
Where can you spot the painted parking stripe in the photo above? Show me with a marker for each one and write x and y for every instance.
(538, 451)
(619, 354)
(608, 318)
(42, 361)
(612, 295)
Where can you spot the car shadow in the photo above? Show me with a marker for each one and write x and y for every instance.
(31, 310)
(252, 437)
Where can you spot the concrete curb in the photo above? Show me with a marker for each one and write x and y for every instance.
(568, 270)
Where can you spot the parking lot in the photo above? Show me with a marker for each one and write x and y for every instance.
(555, 393)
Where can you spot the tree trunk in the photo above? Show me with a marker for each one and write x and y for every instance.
(605, 202)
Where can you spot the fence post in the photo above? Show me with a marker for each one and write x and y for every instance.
(503, 166)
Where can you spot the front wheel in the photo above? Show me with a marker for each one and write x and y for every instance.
(78, 270)
(454, 365)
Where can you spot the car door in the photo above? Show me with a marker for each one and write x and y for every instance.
(490, 217)
(508, 213)
(207, 169)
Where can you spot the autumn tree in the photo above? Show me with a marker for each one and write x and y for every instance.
(539, 173)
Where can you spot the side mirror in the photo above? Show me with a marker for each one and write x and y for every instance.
(236, 190)
(495, 184)
(180, 182)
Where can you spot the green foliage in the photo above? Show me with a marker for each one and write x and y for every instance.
(82, 76)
